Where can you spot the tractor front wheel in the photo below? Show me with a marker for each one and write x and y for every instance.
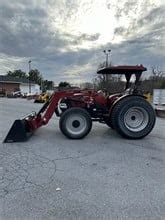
(75, 123)
(133, 117)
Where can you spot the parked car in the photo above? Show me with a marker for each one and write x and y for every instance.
(2, 93)
(16, 94)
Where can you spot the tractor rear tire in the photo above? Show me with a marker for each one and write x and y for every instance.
(75, 123)
(133, 117)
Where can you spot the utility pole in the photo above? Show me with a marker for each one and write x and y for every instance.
(29, 76)
(107, 53)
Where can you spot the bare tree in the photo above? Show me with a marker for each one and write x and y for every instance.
(156, 72)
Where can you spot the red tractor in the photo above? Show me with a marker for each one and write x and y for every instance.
(128, 112)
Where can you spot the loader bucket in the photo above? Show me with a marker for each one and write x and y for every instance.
(18, 132)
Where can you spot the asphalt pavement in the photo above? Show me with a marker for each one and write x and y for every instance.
(102, 176)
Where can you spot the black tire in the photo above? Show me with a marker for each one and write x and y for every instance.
(133, 117)
(75, 123)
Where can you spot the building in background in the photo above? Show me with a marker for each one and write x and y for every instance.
(10, 84)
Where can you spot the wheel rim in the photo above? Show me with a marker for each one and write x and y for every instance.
(136, 119)
(76, 124)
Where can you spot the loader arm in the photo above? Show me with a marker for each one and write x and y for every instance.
(23, 128)
(49, 107)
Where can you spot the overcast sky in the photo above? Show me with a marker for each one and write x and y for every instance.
(65, 38)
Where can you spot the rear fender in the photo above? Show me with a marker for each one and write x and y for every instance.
(121, 98)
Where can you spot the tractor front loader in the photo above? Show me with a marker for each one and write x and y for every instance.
(128, 112)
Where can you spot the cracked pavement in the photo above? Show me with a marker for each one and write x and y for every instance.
(100, 177)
